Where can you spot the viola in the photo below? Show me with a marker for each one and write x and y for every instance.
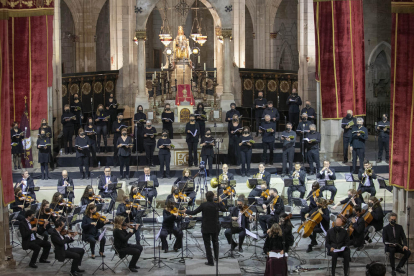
(265, 194)
(132, 205)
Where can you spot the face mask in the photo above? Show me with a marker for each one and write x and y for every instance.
(393, 222)
(199, 108)
(66, 110)
(82, 133)
(270, 108)
(76, 98)
(192, 120)
(148, 126)
(176, 192)
(168, 109)
(124, 134)
(349, 116)
(359, 125)
(384, 119)
(308, 105)
(288, 129)
(140, 111)
(42, 135)
(43, 124)
(208, 134)
(349, 196)
(235, 120)
(260, 97)
(245, 132)
(100, 109)
(90, 123)
(90, 193)
(164, 136)
(312, 131)
(240, 206)
(337, 228)
(304, 119)
(15, 127)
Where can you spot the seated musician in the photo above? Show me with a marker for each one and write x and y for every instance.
(61, 241)
(168, 227)
(90, 228)
(327, 174)
(395, 241)
(353, 196)
(104, 190)
(366, 177)
(224, 179)
(374, 207)
(336, 238)
(321, 208)
(238, 214)
(121, 237)
(59, 205)
(257, 191)
(358, 224)
(174, 196)
(45, 214)
(25, 183)
(313, 195)
(66, 181)
(226, 192)
(273, 207)
(30, 241)
(189, 191)
(300, 174)
(87, 194)
(130, 214)
(149, 192)
(20, 203)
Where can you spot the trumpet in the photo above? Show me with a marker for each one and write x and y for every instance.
(369, 171)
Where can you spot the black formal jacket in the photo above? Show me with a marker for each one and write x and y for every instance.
(244, 220)
(347, 131)
(279, 206)
(388, 235)
(167, 123)
(268, 137)
(30, 184)
(314, 144)
(310, 111)
(378, 218)
(294, 105)
(274, 243)
(320, 175)
(168, 220)
(289, 144)
(259, 111)
(121, 211)
(361, 176)
(82, 142)
(26, 233)
(59, 244)
(207, 149)
(152, 178)
(272, 112)
(302, 176)
(359, 232)
(358, 142)
(69, 180)
(102, 183)
(67, 124)
(121, 238)
(304, 126)
(89, 229)
(124, 151)
(336, 239)
(266, 177)
(210, 216)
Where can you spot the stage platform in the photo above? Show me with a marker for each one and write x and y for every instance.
(226, 267)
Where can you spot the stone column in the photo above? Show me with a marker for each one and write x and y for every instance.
(57, 72)
(141, 98)
(228, 96)
(401, 200)
(219, 63)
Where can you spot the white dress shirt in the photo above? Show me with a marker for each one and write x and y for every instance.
(32, 236)
(107, 179)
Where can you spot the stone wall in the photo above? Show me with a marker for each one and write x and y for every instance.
(68, 45)
(249, 40)
(103, 52)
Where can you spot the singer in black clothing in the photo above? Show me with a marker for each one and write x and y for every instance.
(289, 138)
(327, 174)
(168, 227)
(312, 147)
(149, 142)
(294, 101)
(272, 112)
(111, 107)
(268, 131)
(121, 237)
(210, 226)
(246, 146)
(231, 113)
(193, 131)
(395, 241)
(303, 130)
(259, 106)
(82, 145)
(16, 142)
(43, 146)
(347, 124)
(336, 238)
(104, 190)
(299, 174)
(140, 118)
(116, 129)
(383, 129)
(321, 207)
(167, 118)
(66, 181)
(101, 122)
(68, 119)
(164, 153)
(366, 179)
(273, 207)
(46, 128)
(207, 150)
(309, 111)
(201, 118)
(358, 139)
(76, 108)
(124, 145)
(91, 231)
(234, 138)
(90, 131)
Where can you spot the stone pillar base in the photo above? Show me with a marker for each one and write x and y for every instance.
(141, 100)
(331, 144)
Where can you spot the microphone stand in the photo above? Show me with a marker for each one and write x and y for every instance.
(408, 230)
(25, 160)
(375, 142)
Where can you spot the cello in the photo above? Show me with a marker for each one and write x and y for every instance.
(312, 221)
(347, 209)
(368, 216)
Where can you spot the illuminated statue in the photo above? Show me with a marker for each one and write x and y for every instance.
(181, 45)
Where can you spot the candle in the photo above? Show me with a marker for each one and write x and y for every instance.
(191, 76)
(168, 75)
(198, 59)
(152, 77)
(215, 72)
(205, 67)
(175, 73)
(162, 67)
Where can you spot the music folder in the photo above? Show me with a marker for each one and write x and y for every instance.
(383, 183)
(150, 184)
(141, 184)
(260, 209)
(69, 189)
(295, 182)
(330, 183)
(112, 186)
(288, 182)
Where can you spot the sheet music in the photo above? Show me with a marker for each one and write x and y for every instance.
(194, 134)
(253, 235)
(339, 250)
(102, 234)
(158, 234)
(276, 255)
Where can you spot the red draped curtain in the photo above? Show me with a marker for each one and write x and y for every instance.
(26, 33)
(402, 94)
(340, 60)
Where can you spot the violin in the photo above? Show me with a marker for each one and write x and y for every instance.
(64, 203)
(27, 198)
(96, 197)
(138, 196)
(36, 222)
(174, 211)
(98, 217)
(265, 194)
(64, 232)
(229, 191)
(315, 194)
(49, 212)
(132, 205)
(273, 202)
(246, 211)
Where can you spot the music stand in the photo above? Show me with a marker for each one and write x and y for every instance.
(139, 215)
(348, 177)
(385, 185)
(288, 182)
(13, 217)
(185, 225)
(103, 265)
(253, 182)
(99, 207)
(61, 190)
(230, 253)
(256, 209)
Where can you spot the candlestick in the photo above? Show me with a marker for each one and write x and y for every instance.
(162, 67)
(175, 73)
(198, 59)
(215, 72)
(205, 67)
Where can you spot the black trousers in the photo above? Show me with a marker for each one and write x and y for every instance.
(124, 162)
(207, 237)
(266, 222)
(178, 234)
(83, 162)
(258, 118)
(165, 160)
(36, 245)
(93, 162)
(346, 141)
(67, 138)
(149, 195)
(238, 230)
(288, 155)
(291, 189)
(92, 242)
(139, 139)
(202, 126)
(112, 196)
(208, 159)
(346, 254)
(383, 144)
(360, 153)
(368, 189)
(101, 130)
(392, 251)
(44, 168)
(76, 254)
(332, 189)
(304, 211)
(294, 119)
(253, 194)
(116, 156)
(265, 157)
(149, 153)
(134, 250)
(192, 152)
(246, 159)
(316, 230)
(313, 156)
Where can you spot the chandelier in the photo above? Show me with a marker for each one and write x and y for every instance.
(196, 34)
(165, 32)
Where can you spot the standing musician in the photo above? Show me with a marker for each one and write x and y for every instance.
(303, 130)
(17, 135)
(192, 131)
(207, 150)
(300, 174)
(327, 174)
(25, 183)
(61, 240)
(336, 238)
(246, 146)
(30, 241)
(231, 113)
(189, 191)
(68, 119)
(366, 177)
(91, 223)
(44, 157)
(128, 211)
(111, 107)
(374, 207)
(347, 123)
(103, 186)
(66, 181)
(294, 101)
(268, 131)
(121, 237)
(359, 136)
(235, 129)
(90, 131)
(289, 138)
(101, 122)
(167, 118)
(201, 118)
(151, 192)
(82, 145)
(257, 191)
(313, 196)
(395, 241)
(274, 207)
(358, 200)
(383, 128)
(259, 106)
(140, 118)
(310, 111)
(312, 148)
(164, 153)
(321, 207)
(76, 108)
(358, 224)
(242, 215)
(116, 129)
(170, 216)
(149, 142)
(124, 145)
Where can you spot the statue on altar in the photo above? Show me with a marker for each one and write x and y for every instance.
(181, 45)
